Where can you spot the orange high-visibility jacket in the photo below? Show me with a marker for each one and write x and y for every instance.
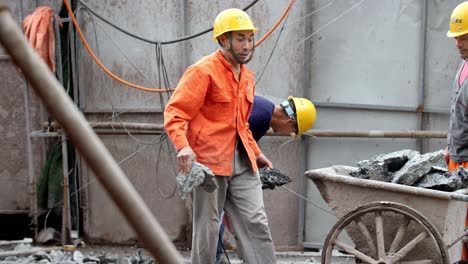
(207, 111)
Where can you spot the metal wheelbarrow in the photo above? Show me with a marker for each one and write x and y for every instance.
(390, 223)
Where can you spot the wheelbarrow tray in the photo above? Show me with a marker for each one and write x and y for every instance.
(343, 193)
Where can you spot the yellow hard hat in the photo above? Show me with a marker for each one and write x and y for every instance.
(459, 21)
(305, 114)
(232, 19)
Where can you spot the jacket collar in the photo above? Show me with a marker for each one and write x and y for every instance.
(226, 63)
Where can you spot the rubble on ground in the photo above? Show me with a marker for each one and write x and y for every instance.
(411, 168)
(72, 257)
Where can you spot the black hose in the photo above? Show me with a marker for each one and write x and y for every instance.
(154, 41)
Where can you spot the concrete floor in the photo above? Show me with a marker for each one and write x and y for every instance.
(290, 257)
(285, 257)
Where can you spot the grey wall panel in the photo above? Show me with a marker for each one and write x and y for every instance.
(281, 204)
(131, 59)
(442, 57)
(438, 122)
(14, 175)
(152, 174)
(370, 51)
(13, 154)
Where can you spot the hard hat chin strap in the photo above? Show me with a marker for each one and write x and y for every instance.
(235, 55)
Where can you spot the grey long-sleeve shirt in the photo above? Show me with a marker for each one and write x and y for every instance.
(457, 138)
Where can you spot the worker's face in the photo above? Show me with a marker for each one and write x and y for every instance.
(242, 44)
(286, 126)
(462, 45)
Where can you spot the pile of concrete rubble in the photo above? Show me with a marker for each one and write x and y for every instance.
(65, 257)
(411, 168)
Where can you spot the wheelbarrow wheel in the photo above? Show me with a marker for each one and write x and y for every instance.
(373, 234)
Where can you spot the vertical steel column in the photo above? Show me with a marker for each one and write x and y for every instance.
(66, 190)
(305, 140)
(107, 171)
(422, 73)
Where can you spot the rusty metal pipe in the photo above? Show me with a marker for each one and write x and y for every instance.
(107, 171)
(378, 133)
(311, 133)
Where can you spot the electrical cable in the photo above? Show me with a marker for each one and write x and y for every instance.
(286, 11)
(311, 13)
(114, 115)
(307, 200)
(165, 196)
(272, 51)
(329, 23)
(155, 41)
(139, 87)
(98, 62)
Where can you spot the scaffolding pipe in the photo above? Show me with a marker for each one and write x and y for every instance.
(106, 169)
(32, 181)
(378, 133)
(312, 133)
(66, 217)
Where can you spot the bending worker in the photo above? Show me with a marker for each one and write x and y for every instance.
(206, 119)
(294, 115)
(457, 139)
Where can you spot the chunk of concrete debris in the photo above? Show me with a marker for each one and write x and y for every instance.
(440, 179)
(273, 177)
(382, 167)
(199, 176)
(417, 167)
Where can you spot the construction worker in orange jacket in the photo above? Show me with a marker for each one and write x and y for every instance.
(207, 120)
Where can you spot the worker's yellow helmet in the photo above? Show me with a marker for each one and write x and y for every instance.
(459, 21)
(305, 114)
(232, 19)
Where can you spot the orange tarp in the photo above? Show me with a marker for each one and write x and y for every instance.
(38, 28)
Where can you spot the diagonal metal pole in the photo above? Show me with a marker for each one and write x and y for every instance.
(107, 171)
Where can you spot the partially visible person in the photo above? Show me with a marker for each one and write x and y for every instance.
(294, 115)
(207, 120)
(456, 153)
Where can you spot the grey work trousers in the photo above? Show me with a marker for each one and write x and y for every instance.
(241, 197)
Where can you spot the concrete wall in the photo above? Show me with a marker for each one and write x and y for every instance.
(16, 105)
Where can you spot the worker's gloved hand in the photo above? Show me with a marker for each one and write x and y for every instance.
(186, 157)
